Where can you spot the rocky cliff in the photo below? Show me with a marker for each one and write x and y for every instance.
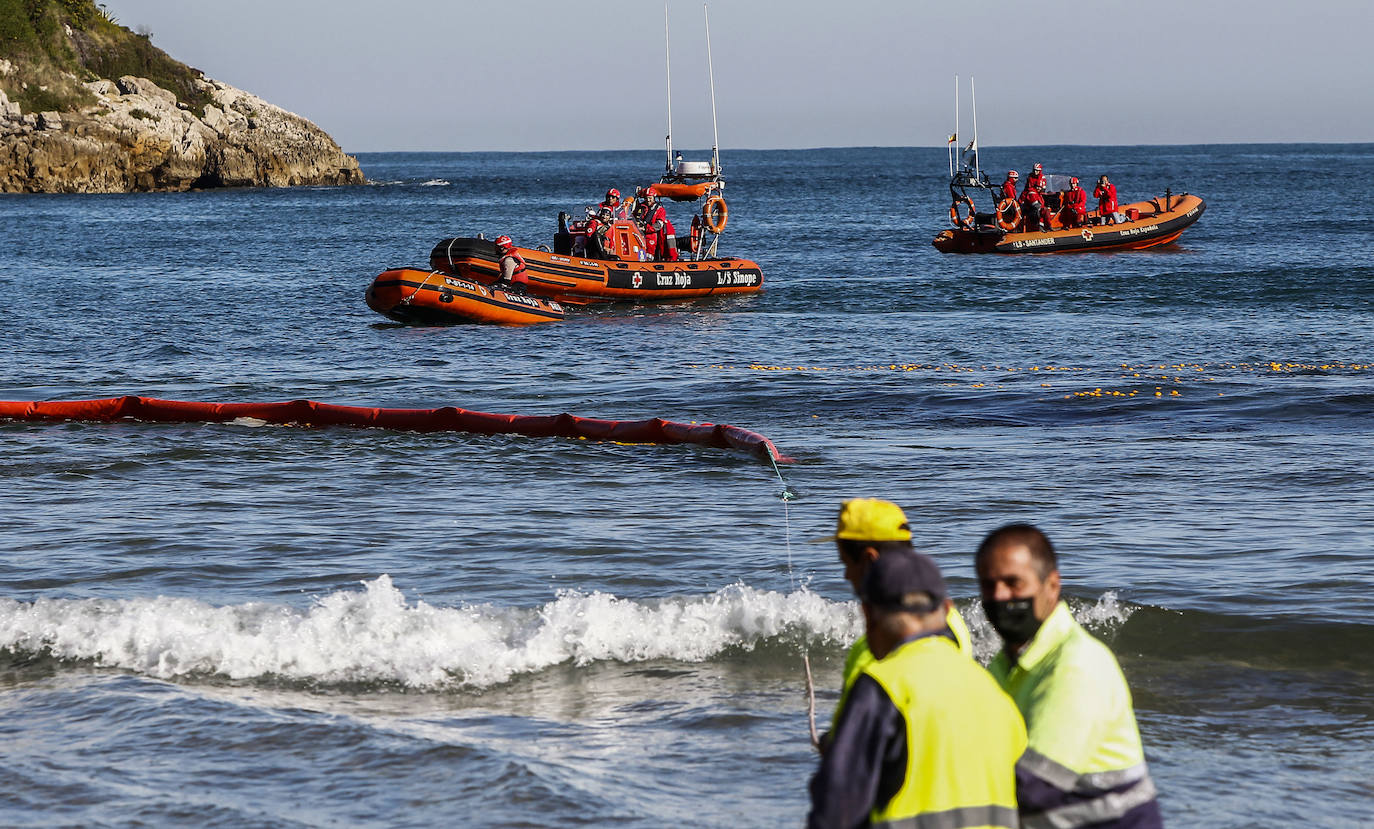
(130, 133)
(138, 137)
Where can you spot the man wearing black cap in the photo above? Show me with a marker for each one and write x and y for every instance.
(925, 734)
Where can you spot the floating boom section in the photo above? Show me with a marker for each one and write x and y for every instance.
(446, 419)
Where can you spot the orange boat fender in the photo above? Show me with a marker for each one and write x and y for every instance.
(957, 216)
(1008, 221)
(715, 214)
(695, 238)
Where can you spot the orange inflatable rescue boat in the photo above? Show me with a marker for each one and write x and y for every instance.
(1137, 226)
(415, 296)
(591, 261)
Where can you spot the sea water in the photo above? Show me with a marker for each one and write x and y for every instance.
(249, 625)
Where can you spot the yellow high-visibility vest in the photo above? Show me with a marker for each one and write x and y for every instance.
(963, 737)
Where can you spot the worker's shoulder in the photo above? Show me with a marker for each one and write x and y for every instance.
(1082, 653)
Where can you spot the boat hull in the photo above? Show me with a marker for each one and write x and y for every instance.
(1155, 226)
(429, 297)
(577, 279)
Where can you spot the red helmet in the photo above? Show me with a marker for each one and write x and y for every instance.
(612, 193)
(1013, 174)
(1073, 180)
(650, 191)
(504, 242)
(1038, 168)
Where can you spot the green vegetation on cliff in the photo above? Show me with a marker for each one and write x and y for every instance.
(56, 45)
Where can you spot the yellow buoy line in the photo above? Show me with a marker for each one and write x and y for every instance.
(1165, 374)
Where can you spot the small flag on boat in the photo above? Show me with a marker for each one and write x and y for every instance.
(953, 139)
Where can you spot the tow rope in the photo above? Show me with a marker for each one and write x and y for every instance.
(788, 495)
(446, 419)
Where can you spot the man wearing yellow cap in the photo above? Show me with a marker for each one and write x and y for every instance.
(867, 529)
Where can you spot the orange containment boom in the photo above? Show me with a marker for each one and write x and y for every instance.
(446, 419)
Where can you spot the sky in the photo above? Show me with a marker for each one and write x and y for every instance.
(458, 75)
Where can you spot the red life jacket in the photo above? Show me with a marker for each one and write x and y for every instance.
(518, 275)
(655, 215)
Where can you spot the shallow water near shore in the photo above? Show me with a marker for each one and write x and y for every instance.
(250, 625)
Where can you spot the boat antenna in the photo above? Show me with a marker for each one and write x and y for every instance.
(711, 73)
(953, 143)
(973, 96)
(668, 74)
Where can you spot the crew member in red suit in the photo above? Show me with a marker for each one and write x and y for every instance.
(637, 213)
(659, 235)
(512, 265)
(613, 203)
(597, 228)
(1034, 216)
(1106, 200)
(1009, 186)
(1074, 213)
(1035, 181)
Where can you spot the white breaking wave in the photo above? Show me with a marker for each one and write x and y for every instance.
(1102, 618)
(375, 635)
(435, 182)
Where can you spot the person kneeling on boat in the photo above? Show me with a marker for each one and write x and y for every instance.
(1106, 201)
(598, 226)
(1074, 213)
(512, 265)
(1035, 217)
(659, 234)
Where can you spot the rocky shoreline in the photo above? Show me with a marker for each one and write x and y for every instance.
(139, 137)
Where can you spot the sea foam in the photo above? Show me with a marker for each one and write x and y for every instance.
(375, 635)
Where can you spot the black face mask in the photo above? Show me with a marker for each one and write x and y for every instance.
(1014, 620)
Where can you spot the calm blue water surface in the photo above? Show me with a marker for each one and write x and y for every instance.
(246, 625)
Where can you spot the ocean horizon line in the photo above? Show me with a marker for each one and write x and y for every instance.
(1263, 143)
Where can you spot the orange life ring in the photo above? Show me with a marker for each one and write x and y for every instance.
(694, 238)
(965, 222)
(715, 214)
(1002, 220)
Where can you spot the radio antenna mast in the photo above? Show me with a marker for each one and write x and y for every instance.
(711, 73)
(953, 143)
(973, 96)
(668, 74)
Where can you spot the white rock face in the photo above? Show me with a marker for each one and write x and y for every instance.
(9, 111)
(139, 137)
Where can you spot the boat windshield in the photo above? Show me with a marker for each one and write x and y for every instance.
(1055, 183)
